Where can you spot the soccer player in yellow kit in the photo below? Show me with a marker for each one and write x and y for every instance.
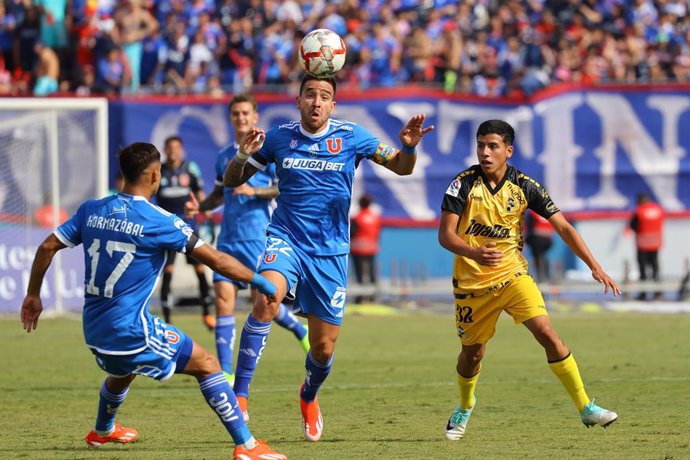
(481, 223)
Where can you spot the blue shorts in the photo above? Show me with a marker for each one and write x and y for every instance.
(317, 283)
(168, 352)
(247, 252)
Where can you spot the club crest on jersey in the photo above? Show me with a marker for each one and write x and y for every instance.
(172, 337)
(454, 188)
(510, 207)
(293, 144)
(270, 258)
(184, 180)
(334, 145)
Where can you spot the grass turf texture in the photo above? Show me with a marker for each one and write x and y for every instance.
(389, 396)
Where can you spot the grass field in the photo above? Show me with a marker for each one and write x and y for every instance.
(389, 395)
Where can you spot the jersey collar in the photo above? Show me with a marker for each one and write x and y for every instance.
(321, 133)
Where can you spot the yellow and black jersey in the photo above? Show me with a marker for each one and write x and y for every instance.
(493, 215)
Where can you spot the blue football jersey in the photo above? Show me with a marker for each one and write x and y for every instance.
(125, 240)
(244, 217)
(315, 173)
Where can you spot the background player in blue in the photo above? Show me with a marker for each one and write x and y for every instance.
(243, 232)
(308, 238)
(125, 240)
(179, 178)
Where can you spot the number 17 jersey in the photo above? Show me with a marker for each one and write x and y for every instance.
(125, 241)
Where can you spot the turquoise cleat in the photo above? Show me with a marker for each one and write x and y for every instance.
(455, 428)
(595, 415)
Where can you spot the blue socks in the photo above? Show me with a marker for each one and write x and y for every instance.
(316, 375)
(289, 321)
(108, 405)
(252, 344)
(225, 341)
(221, 399)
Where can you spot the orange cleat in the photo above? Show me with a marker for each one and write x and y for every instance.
(312, 421)
(260, 452)
(209, 322)
(120, 434)
(243, 403)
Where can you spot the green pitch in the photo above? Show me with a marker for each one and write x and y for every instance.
(390, 393)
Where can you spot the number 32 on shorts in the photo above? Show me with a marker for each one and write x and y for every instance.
(463, 315)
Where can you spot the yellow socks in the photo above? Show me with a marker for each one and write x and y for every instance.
(467, 386)
(566, 370)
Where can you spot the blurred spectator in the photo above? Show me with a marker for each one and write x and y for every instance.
(365, 228)
(133, 24)
(492, 49)
(113, 72)
(8, 24)
(648, 224)
(47, 70)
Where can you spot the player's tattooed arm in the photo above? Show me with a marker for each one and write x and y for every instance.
(266, 193)
(239, 171)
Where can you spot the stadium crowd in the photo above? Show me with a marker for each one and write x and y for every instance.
(484, 47)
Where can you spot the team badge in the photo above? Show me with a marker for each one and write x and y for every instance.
(511, 205)
(184, 180)
(172, 337)
(270, 258)
(293, 144)
(334, 145)
(454, 188)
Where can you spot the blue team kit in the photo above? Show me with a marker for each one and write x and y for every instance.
(124, 239)
(308, 235)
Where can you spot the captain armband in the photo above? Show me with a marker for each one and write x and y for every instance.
(383, 154)
(191, 244)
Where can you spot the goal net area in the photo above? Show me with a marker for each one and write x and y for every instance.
(53, 156)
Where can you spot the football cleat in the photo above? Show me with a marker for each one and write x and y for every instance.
(209, 322)
(312, 421)
(594, 415)
(261, 451)
(455, 428)
(119, 434)
(229, 377)
(243, 402)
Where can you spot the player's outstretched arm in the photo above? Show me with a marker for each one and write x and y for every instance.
(32, 305)
(576, 244)
(212, 201)
(449, 239)
(404, 159)
(239, 171)
(232, 268)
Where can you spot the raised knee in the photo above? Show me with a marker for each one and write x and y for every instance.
(263, 311)
(208, 364)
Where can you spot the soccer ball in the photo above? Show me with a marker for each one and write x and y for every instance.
(322, 53)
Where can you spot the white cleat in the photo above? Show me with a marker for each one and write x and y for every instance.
(595, 415)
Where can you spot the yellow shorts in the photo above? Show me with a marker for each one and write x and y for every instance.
(476, 317)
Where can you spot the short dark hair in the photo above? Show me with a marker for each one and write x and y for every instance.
(243, 97)
(365, 201)
(309, 77)
(135, 158)
(173, 139)
(499, 127)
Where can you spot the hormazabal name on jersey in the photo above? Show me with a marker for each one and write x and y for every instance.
(116, 225)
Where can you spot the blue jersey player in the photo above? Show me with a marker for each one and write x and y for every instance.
(307, 242)
(126, 240)
(246, 213)
(179, 178)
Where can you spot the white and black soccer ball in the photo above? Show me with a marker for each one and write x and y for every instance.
(322, 53)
